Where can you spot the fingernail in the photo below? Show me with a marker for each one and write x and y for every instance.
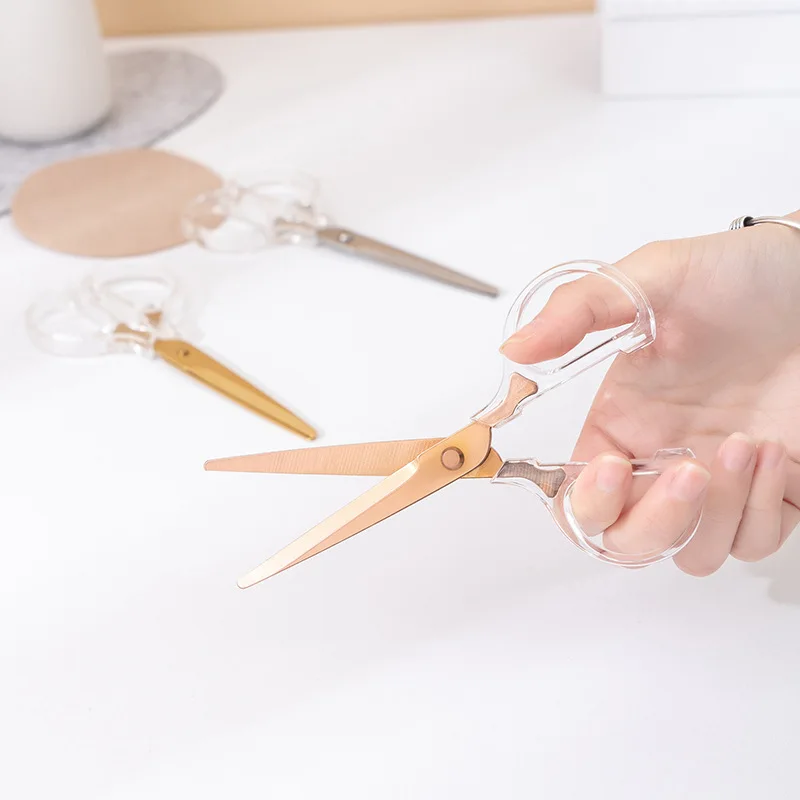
(772, 453)
(520, 337)
(612, 473)
(737, 453)
(689, 482)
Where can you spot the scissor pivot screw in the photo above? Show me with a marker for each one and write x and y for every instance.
(452, 458)
(345, 238)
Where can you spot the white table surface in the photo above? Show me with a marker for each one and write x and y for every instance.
(463, 649)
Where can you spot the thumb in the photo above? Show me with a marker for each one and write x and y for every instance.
(574, 310)
(586, 305)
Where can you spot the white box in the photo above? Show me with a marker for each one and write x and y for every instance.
(700, 47)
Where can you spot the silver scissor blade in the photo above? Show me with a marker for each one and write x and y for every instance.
(355, 244)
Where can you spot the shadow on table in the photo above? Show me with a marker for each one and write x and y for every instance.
(782, 571)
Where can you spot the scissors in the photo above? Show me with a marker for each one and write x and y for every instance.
(139, 315)
(415, 469)
(280, 209)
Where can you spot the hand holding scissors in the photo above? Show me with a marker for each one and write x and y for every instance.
(139, 315)
(280, 210)
(418, 468)
(722, 377)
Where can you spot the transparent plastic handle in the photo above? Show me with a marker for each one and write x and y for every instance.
(583, 288)
(117, 314)
(553, 484)
(139, 301)
(58, 325)
(276, 208)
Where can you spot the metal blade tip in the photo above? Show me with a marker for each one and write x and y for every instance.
(257, 576)
(300, 428)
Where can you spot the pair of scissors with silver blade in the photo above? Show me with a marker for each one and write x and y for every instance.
(280, 209)
(416, 469)
(139, 314)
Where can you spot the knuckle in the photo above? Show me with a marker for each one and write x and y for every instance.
(666, 251)
(562, 291)
(657, 250)
(760, 511)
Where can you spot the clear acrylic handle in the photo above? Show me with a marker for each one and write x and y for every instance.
(553, 484)
(245, 217)
(59, 325)
(117, 314)
(139, 301)
(627, 322)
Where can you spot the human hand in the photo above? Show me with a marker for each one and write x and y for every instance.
(722, 377)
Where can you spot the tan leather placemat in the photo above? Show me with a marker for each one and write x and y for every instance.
(111, 205)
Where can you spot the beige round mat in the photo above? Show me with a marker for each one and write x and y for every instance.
(112, 205)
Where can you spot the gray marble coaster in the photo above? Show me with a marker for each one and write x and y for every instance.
(156, 92)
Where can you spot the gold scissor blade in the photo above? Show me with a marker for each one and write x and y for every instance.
(199, 365)
(411, 483)
(369, 458)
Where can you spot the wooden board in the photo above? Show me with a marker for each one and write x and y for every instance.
(134, 17)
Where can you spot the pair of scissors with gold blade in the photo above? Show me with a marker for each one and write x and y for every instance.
(416, 469)
(140, 314)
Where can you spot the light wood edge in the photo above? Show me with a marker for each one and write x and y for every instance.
(154, 17)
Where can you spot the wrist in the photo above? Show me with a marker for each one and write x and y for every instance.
(773, 239)
(771, 226)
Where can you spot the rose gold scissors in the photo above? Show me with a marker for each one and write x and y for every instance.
(415, 469)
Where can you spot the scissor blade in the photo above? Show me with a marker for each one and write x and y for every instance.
(370, 458)
(358, 245)
(411, 483)
(199, 365)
